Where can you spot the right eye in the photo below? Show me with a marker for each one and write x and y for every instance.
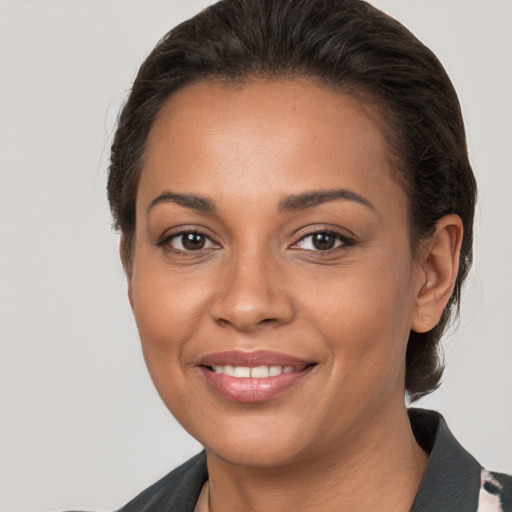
(188, 241)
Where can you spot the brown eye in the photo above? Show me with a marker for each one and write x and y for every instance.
(190, 241)
(323, 241)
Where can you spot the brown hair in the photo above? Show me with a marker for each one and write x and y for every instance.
(346, 44)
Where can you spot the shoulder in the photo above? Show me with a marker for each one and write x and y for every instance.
(454, 479)
(177, 491)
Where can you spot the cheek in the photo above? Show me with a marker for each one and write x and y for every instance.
(168, 312)
(365, 315)
(168, 309)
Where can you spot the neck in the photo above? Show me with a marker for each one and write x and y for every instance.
(380, 469)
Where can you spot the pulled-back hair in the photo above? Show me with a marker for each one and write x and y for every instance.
(345, 44)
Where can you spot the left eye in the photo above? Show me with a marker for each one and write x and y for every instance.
(320, 241)
(190, 241)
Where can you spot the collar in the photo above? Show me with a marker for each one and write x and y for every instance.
(452, 477)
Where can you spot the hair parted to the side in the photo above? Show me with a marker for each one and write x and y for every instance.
(345, 44)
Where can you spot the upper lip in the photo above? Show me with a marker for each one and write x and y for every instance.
(252, 359)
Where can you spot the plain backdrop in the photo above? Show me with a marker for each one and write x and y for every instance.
(81, 425)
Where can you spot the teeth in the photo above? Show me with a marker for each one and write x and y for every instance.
(242, 371)
(228, 370)
(275, 370)
(256, 372)
(260, 372)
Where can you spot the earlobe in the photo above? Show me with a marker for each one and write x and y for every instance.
(439, 265)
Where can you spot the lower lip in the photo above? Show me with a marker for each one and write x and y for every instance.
(250, 390)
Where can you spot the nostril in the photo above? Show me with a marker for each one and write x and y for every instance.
(246, 306)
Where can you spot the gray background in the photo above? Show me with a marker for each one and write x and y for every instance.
(81, 426)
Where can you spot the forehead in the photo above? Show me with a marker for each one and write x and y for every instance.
(247, 136)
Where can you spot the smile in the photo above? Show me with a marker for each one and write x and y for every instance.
(252, 377)
(257, 372)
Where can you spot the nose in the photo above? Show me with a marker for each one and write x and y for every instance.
(252, 293)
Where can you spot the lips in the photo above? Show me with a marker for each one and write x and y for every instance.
(253, 376)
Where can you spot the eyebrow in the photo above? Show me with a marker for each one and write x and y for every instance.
(193, 201)
(290, 203)
(316, 197)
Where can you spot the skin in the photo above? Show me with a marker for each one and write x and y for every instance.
(340, 438)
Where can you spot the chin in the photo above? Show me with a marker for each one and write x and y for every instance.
(247, 454)
(258, 443)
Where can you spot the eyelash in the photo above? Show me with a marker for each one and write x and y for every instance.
(166, 242)
(344, 241)
(341, 241)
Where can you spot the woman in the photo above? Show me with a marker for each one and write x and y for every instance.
(292, 187)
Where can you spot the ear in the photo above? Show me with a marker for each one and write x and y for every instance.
(127, 262)
(438, 260)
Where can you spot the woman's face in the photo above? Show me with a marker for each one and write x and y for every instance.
(272, 283)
